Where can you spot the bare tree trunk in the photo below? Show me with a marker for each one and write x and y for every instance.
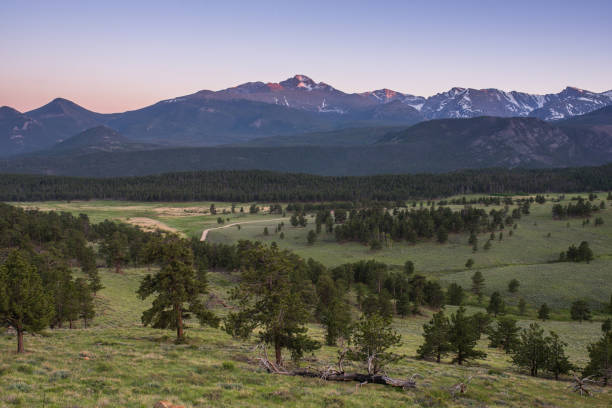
(179, 323)
(20, 348)
(70, 324)
(278, 352)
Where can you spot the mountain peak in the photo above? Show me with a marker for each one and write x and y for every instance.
(299, 82)
(8, 112)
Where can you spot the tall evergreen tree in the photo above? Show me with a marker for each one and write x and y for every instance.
(556, 361)
(372, 336)
(463, 337)
(504, 334)
(24, 305)
(177, 286)
(333, 311)
(84, 296)
(436, 335)
(455, 294)
(115, 249)
(531, 351)
(544, 312)
(496, 304)
(478, 285)
(600, 358)
(580, 311)
(273, 296)
(513, 286)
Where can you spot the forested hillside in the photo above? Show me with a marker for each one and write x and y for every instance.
(243, 186)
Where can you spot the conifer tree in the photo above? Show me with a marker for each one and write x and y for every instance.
(455, 294)
(544, 312)
(115, 250)
(580, 311)
(531, 351)
(463, 337)
(436, 335)
(504, 334)
(600, 358)
(496, 304)
(513, 286)
(24, 305)
(478, 285)
(556, 361)
(372, 336)
(274, 296)
(177, 286)
(84, 297)
(333, 310)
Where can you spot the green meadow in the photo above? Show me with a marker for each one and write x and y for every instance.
(119, 363)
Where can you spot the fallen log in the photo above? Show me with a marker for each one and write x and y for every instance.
(333, 375)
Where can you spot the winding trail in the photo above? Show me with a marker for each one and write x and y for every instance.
(205, 232)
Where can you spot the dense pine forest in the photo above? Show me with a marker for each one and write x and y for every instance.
(245, 186)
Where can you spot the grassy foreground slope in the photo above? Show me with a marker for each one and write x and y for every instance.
(118, 363)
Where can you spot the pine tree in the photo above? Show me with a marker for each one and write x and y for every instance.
(436, 335)
(312, 237)
(513, 286)
(580, 311)
(478, 285)
(469, 263)
(496, 304)
(600, 358)
(556, 361)
(544, 312)
(177, 286)
(504, 334)
(84, 296)
(274, 296)
(115, 250)
(372, 336)
(531, 351)
(403, 306)
(333, 310)
(24, 305)
(455, 294)
(463, 337)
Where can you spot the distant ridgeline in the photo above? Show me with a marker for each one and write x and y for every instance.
(244, 186)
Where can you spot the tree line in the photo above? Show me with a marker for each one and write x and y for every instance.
(248, 186)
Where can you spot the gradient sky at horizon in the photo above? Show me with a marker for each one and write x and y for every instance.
(114, 56)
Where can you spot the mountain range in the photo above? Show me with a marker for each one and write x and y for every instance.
(296, 106)
(438, 145)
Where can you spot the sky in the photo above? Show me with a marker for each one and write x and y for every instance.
(112, 56)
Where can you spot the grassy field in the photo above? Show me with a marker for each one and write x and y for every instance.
(527, 255)
(130, 366)
(118, 363)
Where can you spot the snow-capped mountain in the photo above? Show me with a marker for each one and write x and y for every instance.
(302, 92)
(293, 106)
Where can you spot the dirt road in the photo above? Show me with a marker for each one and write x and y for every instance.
(205, 232)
